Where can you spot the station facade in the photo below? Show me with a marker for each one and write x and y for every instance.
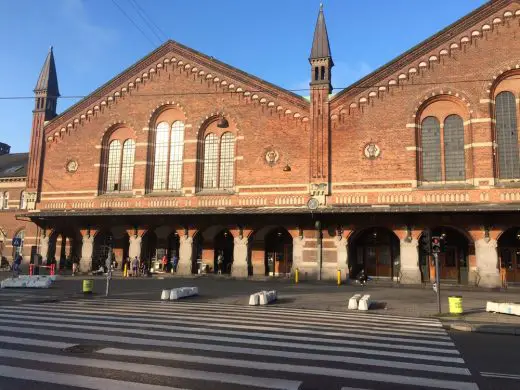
(183, 155)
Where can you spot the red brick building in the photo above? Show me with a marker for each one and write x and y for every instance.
(184, 155)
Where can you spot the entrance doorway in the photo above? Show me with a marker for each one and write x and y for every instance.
(509, 254)
(223, 252)
(375, 250)
(278, 252)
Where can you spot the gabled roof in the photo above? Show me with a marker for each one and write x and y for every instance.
(197, 57)
(14, 165)
(48, 80)
(320, 43)
(418, 51)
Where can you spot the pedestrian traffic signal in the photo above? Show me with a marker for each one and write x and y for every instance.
(436, 244)
(426, 241)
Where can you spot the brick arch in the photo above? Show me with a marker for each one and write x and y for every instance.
(161, 108)
(115, 126)
(496, 76)
(204, 122)
(457, 97)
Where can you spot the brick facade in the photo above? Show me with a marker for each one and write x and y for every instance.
(357, 153)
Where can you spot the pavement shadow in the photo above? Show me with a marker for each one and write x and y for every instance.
(282, 300)
(378, 306)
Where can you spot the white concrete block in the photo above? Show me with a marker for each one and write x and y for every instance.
(262, 297)
(254, 299)
(165, 295)
(364, 303)
(183, 292)
(353, 302)
(492, 307)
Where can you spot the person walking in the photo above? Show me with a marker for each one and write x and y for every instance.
(16, 265)
(135, 266)
(175, 260)
(220, 263)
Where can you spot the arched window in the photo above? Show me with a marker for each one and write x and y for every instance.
(169, 148)
(507, 136)
(316, 73)
(323, 73)
(454, 148)
(23, 200)
(127, 165)
(431, 149)
(114, 165)
(227, 160)
(210, 161)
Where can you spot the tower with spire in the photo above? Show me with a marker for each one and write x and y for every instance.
(46, 95)
(320, 88)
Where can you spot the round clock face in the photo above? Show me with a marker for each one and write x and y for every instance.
(313, 203)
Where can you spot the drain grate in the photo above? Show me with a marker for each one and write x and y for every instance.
(83, 348)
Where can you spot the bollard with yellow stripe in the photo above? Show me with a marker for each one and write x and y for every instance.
(296, 272)
(125, 270)
(88, 286)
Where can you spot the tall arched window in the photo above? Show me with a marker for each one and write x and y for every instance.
(23, 200)
(454, 148)
(507, 136)
(210, 161)
(431, 149)
(169, 149)
(227, 160)
(120, 166)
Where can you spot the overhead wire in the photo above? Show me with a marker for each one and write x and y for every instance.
(133, 22)
(158, 32)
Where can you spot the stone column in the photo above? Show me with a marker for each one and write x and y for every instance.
(342, 255)
(487, 273)
(185, 255)
(410, 270)
(134, 248)
(44, 247)
(297, 260)
(85, 263)
(240, 267)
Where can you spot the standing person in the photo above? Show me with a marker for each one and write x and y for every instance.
(220, 262)
(74, 266)
(16, 265)
(175, 260)
(135, 266)
(164, 262)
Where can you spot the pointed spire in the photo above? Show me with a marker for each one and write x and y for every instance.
(48, 80)
(320, 43)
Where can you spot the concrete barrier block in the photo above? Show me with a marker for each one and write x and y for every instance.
(492, 306)
(165, 295)
(262, 297)
(353, 302)
(364, 303)
(254, 299)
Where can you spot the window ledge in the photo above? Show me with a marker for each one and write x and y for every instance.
(214, 192)
(508, 184)
(445, 186)
(123, 194)
(164, 193)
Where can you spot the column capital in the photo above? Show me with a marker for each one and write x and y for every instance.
(186, 231)
(90, 231)
(139, 232)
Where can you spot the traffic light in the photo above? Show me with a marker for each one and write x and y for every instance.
(436, 244)
(426, 239)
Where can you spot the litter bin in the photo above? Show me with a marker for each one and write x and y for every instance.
(455, 303)
(88, 285)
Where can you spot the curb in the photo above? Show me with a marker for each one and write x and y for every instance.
(484, 328)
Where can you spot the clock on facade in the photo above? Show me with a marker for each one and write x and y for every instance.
(313, 203)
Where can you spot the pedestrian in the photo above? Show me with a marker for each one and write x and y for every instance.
(164, 262)
(220, 262)
(74, 266)
(135, 266)
(16, 265)
(175, 260)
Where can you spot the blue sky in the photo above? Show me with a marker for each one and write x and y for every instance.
(93, 41)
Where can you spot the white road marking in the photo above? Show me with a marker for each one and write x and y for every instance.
(233, 340)
(214, 347)
(280, 332)
(351, 327)
(35, 342)
(194, 333)
(85, 382)
(245, 314)
(280, 366)
(500, 375)
(243, 380)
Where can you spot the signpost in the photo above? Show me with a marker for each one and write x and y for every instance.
(436, 248)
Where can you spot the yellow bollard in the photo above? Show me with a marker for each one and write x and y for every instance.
(339, 277)
(125, 270)
(296, 272)
(88, 285)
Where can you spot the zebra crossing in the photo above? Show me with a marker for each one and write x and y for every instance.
(137, 344)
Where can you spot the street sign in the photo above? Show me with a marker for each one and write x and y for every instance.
(17, 241)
